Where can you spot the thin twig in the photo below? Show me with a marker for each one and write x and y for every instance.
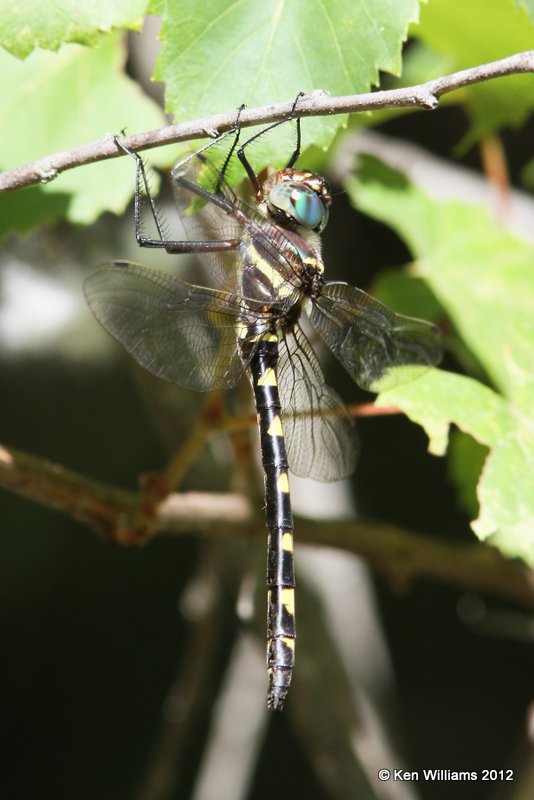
(424, 95)
(112, 512)
(400, 554)
(372, 410)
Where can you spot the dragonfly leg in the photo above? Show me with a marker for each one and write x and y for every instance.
(294, 156)
(141, 182)
(237, 130)
(296, 152)
(142, 186)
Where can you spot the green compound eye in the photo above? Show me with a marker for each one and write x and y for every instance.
(300, 204)
(308, 208)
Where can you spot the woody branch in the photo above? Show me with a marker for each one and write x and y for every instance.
(399, 554)
(424, 96)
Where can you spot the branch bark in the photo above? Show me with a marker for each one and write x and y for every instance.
(424, 96)
(399, 554)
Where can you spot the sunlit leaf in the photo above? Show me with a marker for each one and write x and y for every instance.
(482, 277)
(55, 101)
(480, 273)
(31, 24)
(475, 32)
(506, 486)
(216, 56)
(528, 5)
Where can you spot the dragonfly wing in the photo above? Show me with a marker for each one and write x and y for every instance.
(185, 334)
(320, 435)
(377, 347)
(206, 221)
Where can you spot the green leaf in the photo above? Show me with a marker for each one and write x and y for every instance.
(30, 24)
(409, 294)
(156, 7)
(55, 101)
(466, 462)
(481, 276)
(27, 208)
(439, 398)
(506, 488)
(528, 5)
(475, 32)
(422, 64)
(480, 273)
(216, 56)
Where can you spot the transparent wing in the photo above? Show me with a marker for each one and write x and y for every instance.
(377, 347)
(320, 435)
(203, 220)
(185, 334)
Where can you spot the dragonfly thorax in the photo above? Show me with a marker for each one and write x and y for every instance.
(313, 281)
(297, 198)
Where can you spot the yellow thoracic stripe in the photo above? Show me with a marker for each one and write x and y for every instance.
(272, 275)
(282, 287)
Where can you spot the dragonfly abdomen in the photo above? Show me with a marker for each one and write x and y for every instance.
(281, 630)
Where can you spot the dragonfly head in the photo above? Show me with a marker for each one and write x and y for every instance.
(298, 197)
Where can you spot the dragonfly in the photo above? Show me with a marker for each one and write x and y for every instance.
(261, 249)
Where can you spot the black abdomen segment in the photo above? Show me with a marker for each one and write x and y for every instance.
(280, 568)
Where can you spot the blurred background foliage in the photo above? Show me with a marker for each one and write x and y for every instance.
(104, 647)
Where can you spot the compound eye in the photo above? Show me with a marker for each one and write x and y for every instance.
(309, 210)
(300, 204)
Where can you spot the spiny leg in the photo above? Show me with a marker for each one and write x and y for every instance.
(141, 181)
(237, 130)
(170, 245)
(294, 156)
